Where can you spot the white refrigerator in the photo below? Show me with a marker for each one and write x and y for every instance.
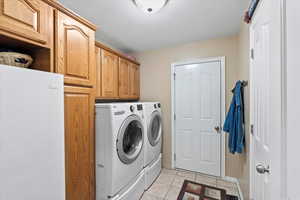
(31, 135)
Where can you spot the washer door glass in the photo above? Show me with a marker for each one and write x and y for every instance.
(155, 128)
(130, 139)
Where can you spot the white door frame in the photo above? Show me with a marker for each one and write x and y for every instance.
(223, 103)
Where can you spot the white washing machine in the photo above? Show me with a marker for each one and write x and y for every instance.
(119, 151)
(153, 141)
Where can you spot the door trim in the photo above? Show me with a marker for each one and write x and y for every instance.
(283, 24)
(222, 60)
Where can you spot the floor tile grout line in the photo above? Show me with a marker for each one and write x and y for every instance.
(166, 195)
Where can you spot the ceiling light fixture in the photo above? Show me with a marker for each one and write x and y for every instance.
(150, 6)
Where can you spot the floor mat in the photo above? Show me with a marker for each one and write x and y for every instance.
(230, 197)
(195, 191)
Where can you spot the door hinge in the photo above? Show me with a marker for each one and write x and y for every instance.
(174, 116)
(252, 54)
(174, 76)
(174, 157)
(252, 129)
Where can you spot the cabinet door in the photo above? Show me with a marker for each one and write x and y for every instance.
(137, 82)
(109, 75)
(75, 51)
(29, 19)
(124, 84)
(79, 147)
(134, 79)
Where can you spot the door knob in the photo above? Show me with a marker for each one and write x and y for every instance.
(261, 169)
(217, 128)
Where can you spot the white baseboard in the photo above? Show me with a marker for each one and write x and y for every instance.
(236, 181)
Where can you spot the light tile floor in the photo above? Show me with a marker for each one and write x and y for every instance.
(168, 185)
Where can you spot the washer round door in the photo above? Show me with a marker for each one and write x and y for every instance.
(154, 128)
(130, 139)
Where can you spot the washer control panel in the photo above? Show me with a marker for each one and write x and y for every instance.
(140, 107)
(132, 108)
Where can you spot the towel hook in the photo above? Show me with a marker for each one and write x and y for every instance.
(244, 84)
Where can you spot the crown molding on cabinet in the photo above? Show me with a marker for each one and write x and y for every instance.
(55, 4)
(121, 55)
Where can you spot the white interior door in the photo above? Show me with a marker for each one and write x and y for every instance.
(266, 102)
(261, 107)
(197, 90)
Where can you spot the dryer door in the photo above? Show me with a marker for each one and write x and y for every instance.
(130, 139)
(154, 128)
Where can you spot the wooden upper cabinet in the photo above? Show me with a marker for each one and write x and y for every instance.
(79, 143)
(109, 75)
(75, 51)
(134, 78)
(124, 78)
(118, 77)
(29, 19)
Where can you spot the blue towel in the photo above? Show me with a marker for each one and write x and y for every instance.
(234, 123)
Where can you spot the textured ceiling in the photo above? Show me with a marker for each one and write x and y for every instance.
(125, 27)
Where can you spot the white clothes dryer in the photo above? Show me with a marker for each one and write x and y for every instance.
(153, 141)
(153, 132)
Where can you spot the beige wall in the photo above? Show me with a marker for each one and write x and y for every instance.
(156, 81)
(156, 86)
